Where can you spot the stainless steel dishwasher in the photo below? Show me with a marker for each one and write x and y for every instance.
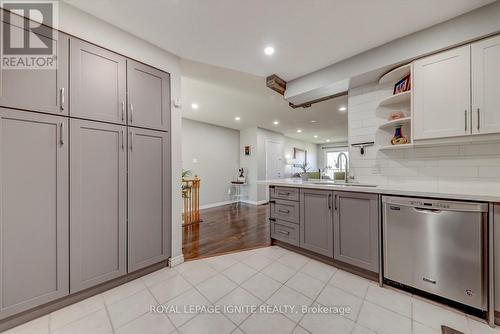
(437, 246)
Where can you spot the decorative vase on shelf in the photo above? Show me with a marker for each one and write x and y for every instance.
(399, 138)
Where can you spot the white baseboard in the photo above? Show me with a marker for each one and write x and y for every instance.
(175, 261)
(213, 205)
(247, 201)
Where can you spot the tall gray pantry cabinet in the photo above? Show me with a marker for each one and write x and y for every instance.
(34, 210)
(85, 185)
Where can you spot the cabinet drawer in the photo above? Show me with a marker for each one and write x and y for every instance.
(291, 194)
(285, 210)
(285, 231)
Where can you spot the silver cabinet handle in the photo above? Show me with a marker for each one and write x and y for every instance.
(131, 112)
(284, 211)
(123, 141)
(123, 110)
(61, 134)
(284, 232)
(465, 117)
(62, 98)
(131, 136)
(478, 119)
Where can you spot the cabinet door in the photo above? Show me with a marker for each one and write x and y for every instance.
(43, 90)
(98, 84)
(148, 198)
(316, 221)
(148, 96)
(34, 210)
(98, 202)
(441, 96)
(356, 229)
(485, 83)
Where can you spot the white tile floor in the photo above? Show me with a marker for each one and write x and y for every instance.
(267, 276)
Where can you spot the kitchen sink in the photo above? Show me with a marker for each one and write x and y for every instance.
(345, 184)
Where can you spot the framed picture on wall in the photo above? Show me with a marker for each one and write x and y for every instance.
(300, 156)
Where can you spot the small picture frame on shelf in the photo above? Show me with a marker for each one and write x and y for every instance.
(402, 85)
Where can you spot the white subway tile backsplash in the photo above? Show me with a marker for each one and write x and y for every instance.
(493, 171)
(399, 171)
(438, 151)
(449, 171)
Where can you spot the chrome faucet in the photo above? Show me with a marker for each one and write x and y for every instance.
(338, 165)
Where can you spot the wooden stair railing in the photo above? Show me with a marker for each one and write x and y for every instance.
(191, 197)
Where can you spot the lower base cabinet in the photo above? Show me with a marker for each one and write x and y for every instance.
(34, 245)
(316, 221)
(148, 198)
(356, 229)
(98, 202)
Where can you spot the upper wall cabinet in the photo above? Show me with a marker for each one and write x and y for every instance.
(39, 89)
(98, 83)
(485, 86)
(148, 96)
(442, 95)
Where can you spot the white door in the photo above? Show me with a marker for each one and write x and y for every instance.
(442, 95)
(274, 160)
(485, 83)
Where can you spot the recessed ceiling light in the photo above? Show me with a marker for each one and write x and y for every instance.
(299, 130)
(313, 121)
(269, 50)
(328, 140)
(343, 108)
(237, 118)
(315, 136)
(194, 105)
(276, 122)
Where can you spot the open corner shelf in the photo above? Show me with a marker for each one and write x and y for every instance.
(395, 99)
(394, 75)
(395, 122)
(396, 147)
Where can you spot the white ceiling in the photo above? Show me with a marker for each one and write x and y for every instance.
(307, 34)
(224, 94)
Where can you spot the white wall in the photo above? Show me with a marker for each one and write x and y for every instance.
(92, 29)
(212, 153)
(255, 164)
(474, 167)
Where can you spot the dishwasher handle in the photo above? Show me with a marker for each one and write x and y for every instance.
(435, 204)
(426, 210)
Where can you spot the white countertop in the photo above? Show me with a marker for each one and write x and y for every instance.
(384, 189)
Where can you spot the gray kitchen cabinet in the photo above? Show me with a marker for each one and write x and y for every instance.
(98, 203)
(148, 197)
(98, 83)
(34, 242)
(356, 229)
(496, 257)
(148, 96)
(316, 221)
(37, 89)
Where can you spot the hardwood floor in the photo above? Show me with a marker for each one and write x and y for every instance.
(225, 229)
